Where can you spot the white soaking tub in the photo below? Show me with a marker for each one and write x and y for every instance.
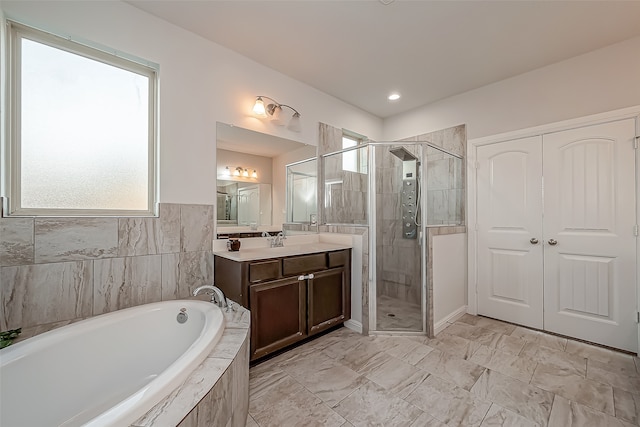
(108, 370)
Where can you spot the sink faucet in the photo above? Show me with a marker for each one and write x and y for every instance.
(275, 241)
(217, 296)
(278, 241)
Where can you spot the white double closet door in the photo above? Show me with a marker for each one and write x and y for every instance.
(556, 244)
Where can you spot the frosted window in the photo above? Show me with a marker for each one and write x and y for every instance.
(349, 158)
(84, 130)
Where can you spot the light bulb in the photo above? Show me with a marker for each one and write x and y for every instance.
(237, 171)
(276, 116)
(245, 173)
(294, 123)
(254, 174)
(258, 108)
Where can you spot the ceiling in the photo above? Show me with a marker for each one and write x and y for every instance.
(361, 51)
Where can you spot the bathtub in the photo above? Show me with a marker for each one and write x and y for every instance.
(108, 370)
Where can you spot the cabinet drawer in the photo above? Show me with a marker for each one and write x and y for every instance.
(338, 258)
(264, 270)
(303, 264)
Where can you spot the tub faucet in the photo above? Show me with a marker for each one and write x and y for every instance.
(217, 296)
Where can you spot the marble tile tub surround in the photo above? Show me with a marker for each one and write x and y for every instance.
(217, 392)
(56, 270)
(476, 372)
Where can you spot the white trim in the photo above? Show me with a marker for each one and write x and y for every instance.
(354, 325)
(472, 146)
(450, 318)
(638, 221)
(12, 157)
(608, 116)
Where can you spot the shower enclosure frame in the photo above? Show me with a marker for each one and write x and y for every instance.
(372, 221)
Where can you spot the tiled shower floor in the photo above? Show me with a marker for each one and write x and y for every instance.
(397, 315)
(477, 372)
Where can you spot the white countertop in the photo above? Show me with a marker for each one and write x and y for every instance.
(252, 254)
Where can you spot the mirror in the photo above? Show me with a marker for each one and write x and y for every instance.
(302, 187)
(243, 204)
(252, 178)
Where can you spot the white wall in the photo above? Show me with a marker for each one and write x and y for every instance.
(599, 81)
(201, 83)
(449, 276)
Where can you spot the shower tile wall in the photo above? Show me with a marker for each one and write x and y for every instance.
(397, 259)
(445, 176)
(330, 168)
(345, 193)
(56, 270)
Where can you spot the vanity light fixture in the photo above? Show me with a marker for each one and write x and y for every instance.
(239, 173)
(274, 110)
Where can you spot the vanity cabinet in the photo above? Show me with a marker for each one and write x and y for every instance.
(290, 298)
(278, 315)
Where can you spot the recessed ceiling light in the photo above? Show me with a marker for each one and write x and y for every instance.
(393, 97)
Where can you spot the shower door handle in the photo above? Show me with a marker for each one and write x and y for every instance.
(533, 241)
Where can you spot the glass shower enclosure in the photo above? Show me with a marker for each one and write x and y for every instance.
(396, 189)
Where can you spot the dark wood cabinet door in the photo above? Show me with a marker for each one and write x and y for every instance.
(329, 300)
(278, 315)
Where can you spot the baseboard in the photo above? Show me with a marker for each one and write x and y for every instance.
(450, 318)
(354, 325)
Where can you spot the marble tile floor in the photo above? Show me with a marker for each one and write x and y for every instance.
(394, 314)
(476, 372)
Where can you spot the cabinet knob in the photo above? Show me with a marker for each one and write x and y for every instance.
(533, 241)
(553, 242)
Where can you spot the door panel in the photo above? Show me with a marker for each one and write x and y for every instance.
(590, 199)
(509, 201)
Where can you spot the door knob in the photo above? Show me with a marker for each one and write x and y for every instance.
(553, 242)
(533, 241)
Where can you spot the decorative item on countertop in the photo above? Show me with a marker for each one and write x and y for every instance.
(233, 245)
(7, 337)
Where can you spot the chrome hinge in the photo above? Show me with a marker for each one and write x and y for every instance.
(635, 230)
(637, 316)
(477, 164)
(635, 142)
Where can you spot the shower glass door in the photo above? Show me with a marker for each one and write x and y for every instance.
(397, 221)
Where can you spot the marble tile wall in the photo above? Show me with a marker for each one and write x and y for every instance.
(446, 176)
(398, 264)
(344, 192)
(398, 260)
(62, 269)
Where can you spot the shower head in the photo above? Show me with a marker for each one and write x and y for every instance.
(402, 153)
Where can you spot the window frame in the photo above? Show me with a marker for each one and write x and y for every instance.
(12, 153)
(360, 160)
